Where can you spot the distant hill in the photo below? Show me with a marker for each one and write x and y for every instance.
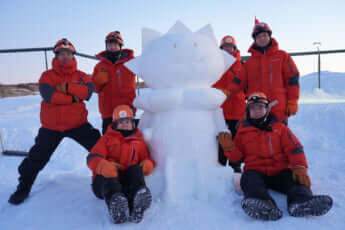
(15, 90)
(331, 83)
(24, 89)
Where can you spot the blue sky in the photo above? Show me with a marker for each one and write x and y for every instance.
(295, 24)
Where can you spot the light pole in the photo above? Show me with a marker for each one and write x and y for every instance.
(318, 44)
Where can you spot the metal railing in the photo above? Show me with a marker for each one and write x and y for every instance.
(318, 53)
(45, 49)
(244, 58)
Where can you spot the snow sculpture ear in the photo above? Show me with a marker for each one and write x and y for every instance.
(179, 28)
(208, 32)
(228, 60)
(147, 36)
(134, 65)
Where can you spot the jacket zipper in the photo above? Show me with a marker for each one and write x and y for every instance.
(270, 144)
(132, 156)
(118, 73)
(271, 73)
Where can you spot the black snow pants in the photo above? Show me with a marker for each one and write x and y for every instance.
(129, 182)
(46, 142)
(232, 126)
(255, 185)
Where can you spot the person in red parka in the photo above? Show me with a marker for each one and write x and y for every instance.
(114, 82)
(273, 159)
(119, 161)
(63, 114)
(271, 71)
(234, 106)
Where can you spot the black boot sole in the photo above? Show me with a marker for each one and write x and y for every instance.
(261, 209)
(118, 208)
(141, 201)
(317, 206)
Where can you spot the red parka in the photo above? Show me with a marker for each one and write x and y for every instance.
(234, 106)
(114, 147)
(269, 152)
(60, 111)
(120, 87)
(273, 73)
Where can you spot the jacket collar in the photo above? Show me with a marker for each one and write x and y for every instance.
(246, 125)
(113, 133)
(273, 48)
(64, 68)
(126, 55)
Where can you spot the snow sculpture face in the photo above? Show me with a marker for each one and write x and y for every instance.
(180, 58)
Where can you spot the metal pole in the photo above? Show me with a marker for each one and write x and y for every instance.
(138, 85)
(318, 44)
(319, 67)
(45, 56)
(2, 144)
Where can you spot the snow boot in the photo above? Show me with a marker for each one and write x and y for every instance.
(316, 206)
(261, 209)
(20, 194)
(118, 208)
(141, 201)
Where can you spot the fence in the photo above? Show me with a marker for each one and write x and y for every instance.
(45, 49)
(244, 58)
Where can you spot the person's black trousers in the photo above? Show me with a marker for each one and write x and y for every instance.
(232, 126)
(255, 185)
(46, 142)
(129, 182)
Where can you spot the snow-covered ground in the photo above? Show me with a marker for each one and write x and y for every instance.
(62, 198)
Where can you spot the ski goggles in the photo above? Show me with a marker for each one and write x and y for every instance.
(257, 99)
(115, 36)
(64, 45)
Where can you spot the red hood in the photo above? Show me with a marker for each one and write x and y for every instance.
(273, 48)
(64, 68)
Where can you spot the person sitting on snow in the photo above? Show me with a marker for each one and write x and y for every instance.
(119, 161)
(274, 159)
(63, 114)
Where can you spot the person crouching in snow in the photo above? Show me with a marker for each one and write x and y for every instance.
(63, 114)
(119, 161)
(274, 159)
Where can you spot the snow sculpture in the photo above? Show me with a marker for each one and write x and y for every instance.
(182, 114)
